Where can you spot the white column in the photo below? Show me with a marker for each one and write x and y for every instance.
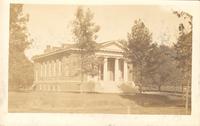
(42, 64)
(125, 71)
(48, 69)
(54, 68)
(63, 65)
(116, 69)
(59, 68)
(36, 71)
(40, 67)
(36, 75)
(45, 70)
(105, 66)
(98, 73)
(51, 68)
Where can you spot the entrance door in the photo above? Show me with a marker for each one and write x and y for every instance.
(111, 69)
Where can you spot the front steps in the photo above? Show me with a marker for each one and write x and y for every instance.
(108, 87)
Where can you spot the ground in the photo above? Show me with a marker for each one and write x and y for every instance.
(65, 102)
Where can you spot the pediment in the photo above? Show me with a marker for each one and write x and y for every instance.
(112, 47)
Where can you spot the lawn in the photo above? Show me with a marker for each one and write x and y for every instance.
(65, 102)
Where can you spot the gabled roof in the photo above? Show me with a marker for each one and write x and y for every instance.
(109, 46)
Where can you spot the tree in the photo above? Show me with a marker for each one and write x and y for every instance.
(20, 68)
(138, 47)
(84, 31)
(152, 64)
(184, 51)
(160, 68)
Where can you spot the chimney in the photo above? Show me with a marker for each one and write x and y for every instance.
(48, 49)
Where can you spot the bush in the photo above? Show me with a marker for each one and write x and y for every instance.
(88, 86)
(129, 88)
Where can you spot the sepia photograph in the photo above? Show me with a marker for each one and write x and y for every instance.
(109, 59)
(99, 63)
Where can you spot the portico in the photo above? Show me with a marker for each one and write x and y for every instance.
(114, 69)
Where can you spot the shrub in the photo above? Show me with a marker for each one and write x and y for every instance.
(129, 87)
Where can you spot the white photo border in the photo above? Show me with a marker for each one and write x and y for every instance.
(61, 119)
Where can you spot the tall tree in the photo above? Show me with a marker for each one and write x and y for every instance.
(20, 68)
(138, 48)
(160, 68)
(84, 31)
(184, 51)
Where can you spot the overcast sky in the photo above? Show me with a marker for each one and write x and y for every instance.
(50, 24)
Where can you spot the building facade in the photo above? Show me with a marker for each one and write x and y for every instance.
(56, 69)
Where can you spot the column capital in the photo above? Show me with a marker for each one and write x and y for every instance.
(117, 58)
(105, 58)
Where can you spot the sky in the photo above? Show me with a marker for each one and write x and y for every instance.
(51, 24)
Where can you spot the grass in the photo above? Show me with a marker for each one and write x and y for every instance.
(65, 102)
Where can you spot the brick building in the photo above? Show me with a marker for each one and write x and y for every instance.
(56, 69)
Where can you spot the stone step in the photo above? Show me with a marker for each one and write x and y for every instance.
(108, 87)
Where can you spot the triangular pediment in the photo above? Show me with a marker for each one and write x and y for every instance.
(113, 46)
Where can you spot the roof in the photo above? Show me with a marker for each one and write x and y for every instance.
(72, 47)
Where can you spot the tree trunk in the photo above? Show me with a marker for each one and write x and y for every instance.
(159, 88)
(187, 98)
(140, 87)
(82, 79)
(182, 85)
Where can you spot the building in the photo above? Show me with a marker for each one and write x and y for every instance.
(56, 69)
